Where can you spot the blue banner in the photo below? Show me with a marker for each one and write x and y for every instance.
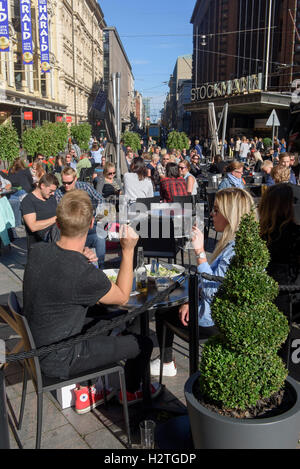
(4, 31)
(25, 10)
(44, 36)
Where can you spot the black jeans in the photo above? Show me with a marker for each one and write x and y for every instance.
(103, 350)
(171, 315)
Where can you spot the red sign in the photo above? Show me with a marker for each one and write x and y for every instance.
(59, 118)
(68, 119)
(28, 116)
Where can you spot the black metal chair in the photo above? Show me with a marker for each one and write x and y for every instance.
(210, 199)
(147, 201)
(190, 334)
(161, 246)
(44, 384)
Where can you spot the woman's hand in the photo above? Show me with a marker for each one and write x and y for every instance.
(197, 240)
(184, 314)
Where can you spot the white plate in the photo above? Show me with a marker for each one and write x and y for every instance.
(111, 273)
(179, 268)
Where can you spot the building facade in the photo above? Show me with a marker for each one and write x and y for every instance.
(173, 113)
(116, 61)
(248, 56)
(75, 29)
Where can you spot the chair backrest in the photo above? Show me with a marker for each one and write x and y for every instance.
(184, 199)
(7, 316)
(148, 201)
(86, 175)
(32, 364)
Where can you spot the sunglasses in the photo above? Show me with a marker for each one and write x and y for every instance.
(66, 183)
(111, 174)
(181, 167)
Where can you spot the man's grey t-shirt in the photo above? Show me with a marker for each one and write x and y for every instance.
(59, 286)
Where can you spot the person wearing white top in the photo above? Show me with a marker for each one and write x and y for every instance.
(244, 150)
(136, 183)
(191, 182)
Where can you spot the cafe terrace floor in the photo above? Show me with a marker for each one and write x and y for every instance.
(103, 428)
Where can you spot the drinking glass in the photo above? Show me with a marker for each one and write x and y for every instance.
(147, 430)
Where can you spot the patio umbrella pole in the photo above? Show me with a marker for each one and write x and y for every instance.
(118, 122)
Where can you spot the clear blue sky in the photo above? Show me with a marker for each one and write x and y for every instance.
(153, 34)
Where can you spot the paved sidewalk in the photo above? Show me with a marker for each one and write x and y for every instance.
(103, 428)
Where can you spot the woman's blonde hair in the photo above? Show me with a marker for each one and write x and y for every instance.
(233, 203)
(74, 214)
(107, 167)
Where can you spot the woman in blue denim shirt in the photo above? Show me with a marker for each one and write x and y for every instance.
(229, 207)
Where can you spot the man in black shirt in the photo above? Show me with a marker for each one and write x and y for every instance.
(60, 284)
(39, 209)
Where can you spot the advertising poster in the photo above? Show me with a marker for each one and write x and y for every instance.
(25, 10)
(4, 31)
(44, 36)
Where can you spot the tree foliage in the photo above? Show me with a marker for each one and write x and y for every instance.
(82, 134)
(241, 365)
(178, 140)
(132, 140)
(49, 139)
(9, 143)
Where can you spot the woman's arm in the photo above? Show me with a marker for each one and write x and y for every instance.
(190, 184)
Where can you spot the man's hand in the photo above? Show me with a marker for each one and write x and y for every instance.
(90, 255)
(184, 314)
(128, 238)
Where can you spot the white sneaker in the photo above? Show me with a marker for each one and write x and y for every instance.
(169, 369)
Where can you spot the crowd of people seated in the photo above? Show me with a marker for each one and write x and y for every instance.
(58, 207)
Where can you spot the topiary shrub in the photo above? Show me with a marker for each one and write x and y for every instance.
(241, 366)
(132, 140)
(178, 140)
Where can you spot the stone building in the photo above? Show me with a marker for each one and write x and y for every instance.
(75, 30)
(245, 53)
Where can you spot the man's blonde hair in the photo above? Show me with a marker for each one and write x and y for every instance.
(232, 203)
(74, 214)
(68, 171)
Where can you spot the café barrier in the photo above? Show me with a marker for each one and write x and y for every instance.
(113, 323)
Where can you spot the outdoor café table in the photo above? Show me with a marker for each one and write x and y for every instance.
(176, 298)
(5, 193)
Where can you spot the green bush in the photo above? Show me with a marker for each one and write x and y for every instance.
(267, 142)
(9, 143)
(50, 139)
(132, 140)
(241, 366)
(32, 140)
(178, 140)
(82, 134)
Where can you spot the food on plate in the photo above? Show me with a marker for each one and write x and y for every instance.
(163, 272)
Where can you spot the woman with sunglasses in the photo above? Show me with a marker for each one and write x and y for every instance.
(191, 183)
(234, 176)
(229, 207)
(110, 186)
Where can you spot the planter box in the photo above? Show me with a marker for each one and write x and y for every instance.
(213, 431)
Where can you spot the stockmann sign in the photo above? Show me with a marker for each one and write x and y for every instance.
(227, 88)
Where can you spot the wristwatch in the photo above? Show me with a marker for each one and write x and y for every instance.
(202, 255)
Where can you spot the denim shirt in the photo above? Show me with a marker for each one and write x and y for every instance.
(208, 288)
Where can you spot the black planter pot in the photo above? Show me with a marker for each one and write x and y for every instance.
(213, 431)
